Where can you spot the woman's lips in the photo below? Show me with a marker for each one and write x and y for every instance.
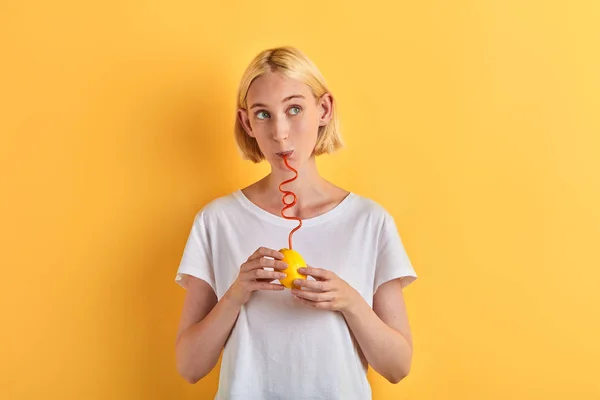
(285, 153)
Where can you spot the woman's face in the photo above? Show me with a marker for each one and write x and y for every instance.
(284, 117)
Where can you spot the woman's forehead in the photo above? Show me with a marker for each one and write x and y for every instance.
(274, 88)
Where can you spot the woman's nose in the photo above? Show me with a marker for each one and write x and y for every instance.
(281, 129)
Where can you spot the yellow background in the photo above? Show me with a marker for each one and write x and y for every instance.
(475, 123)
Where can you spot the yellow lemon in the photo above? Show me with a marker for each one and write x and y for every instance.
(294, 261)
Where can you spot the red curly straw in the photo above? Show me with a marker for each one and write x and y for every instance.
(293, 203)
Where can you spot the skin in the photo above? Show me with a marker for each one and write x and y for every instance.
(283, 115)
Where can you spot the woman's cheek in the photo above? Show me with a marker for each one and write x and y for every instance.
(306, 129)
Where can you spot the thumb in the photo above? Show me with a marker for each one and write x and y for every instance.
(316, 278)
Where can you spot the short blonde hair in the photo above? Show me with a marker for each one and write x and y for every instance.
(294, 64)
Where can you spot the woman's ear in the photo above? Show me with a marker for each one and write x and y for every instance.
(325, 106)
(243, 118)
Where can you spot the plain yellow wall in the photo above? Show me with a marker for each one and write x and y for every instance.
(475, 123)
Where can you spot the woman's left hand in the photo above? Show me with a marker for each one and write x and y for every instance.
(327, 292)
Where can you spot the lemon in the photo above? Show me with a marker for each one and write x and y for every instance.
(294, 261)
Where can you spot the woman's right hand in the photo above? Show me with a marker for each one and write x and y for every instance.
(253, 277)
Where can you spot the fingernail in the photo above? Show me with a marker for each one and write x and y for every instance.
(282, 275)
(297, 282)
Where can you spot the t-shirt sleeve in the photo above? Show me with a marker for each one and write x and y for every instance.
(196, 259)
(392, 260)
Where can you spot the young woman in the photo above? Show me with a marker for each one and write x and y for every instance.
(316, 340)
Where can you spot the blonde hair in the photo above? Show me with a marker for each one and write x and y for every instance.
(294, 64)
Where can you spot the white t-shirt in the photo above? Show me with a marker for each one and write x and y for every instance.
(279, 348)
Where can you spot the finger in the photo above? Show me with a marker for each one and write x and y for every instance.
(265, 280)
(316, 273)
(263, 263)
(262, 274)
(312, 290)
(265, 252)
(321, 285)
(314, 296)
(267, 286)
(322, 305)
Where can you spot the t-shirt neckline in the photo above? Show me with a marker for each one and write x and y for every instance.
(279, 220)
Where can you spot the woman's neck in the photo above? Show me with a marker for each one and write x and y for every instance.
(309, 187)
(315, 195)
(308, 183)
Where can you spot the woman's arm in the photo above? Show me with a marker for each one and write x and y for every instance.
(206, 324)
(204, 328)
(383, 332)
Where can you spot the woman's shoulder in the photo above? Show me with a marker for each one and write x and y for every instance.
(218, 205)
(369, 206)
(360, 203)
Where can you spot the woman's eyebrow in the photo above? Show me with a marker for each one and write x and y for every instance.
(294, 96)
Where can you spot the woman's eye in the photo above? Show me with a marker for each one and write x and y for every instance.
(295, 110)
(262, 115)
